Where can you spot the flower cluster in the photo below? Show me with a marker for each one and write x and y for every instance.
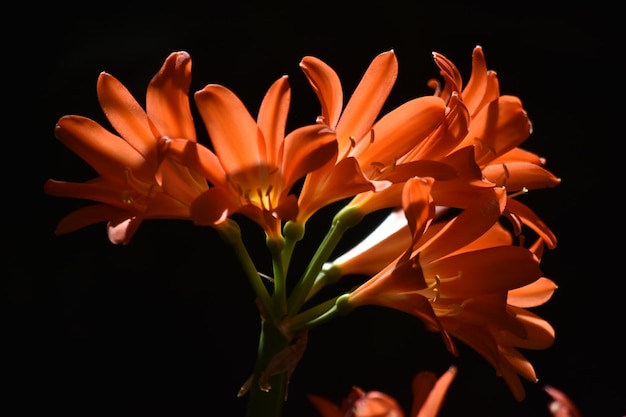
(447, 169)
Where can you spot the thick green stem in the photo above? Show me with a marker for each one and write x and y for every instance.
(261, 401)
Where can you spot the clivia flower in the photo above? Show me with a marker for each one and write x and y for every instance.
(368, 145)
(136, 180)
(254, 165)
(456, 277)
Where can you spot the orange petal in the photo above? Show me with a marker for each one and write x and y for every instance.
(489, 270)
(418, 205)
(107, 153)
(368, 99)
(100, 190)
(213, 206)
(330, 184)
(532, 220)
(497, 128)
(400, 130)
(306, 149)
(272, 118)
(198, 158)
(126, 115)
(436, 396)
(167, 98)
(89, 215)
(532, 295)
(470, 224)
(516, 176)
(236, 138)
(327, 86)
(325, 407)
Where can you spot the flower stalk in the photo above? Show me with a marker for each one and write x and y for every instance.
(268, 387)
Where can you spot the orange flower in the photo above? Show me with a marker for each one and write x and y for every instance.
(495, 125)
(254, 166)
(492, 126)
(456, 276)
(428, 395)
(136, 181)
(367, 148)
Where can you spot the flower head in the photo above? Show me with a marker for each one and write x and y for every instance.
(457, 275)
(136, 180)
(254, 165)
(368, 145)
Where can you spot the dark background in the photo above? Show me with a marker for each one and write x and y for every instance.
(167, 326)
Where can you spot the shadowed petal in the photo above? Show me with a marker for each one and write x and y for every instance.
(429, 392)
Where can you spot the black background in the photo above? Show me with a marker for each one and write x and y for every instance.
(167, 325)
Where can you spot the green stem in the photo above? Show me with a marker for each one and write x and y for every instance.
(313, 317)
(231, 233)
(262, 403)
(345, 219)
(279, 297)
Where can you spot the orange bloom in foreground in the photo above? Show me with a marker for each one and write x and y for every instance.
(254, 166)
(428, 395)
(136, 180)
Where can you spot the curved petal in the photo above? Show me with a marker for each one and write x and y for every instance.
(367, 100)
(236, 138)
(539, 334)
(418, 205)
(272, 118)
(107, 153)
(400, 130)
(306, 149)
(532, 295)
(329, 184)
(198, 158)
(530, 219)
(213, 206)
(327, 86)
(450, 73)
(89, 215)
(127, 117)
(497, 128)
(519, 155)
(516, 176)
(470, 224)
(485, 271)
(99, 190)
(474, 92)
(432, 404)
(167, 98)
